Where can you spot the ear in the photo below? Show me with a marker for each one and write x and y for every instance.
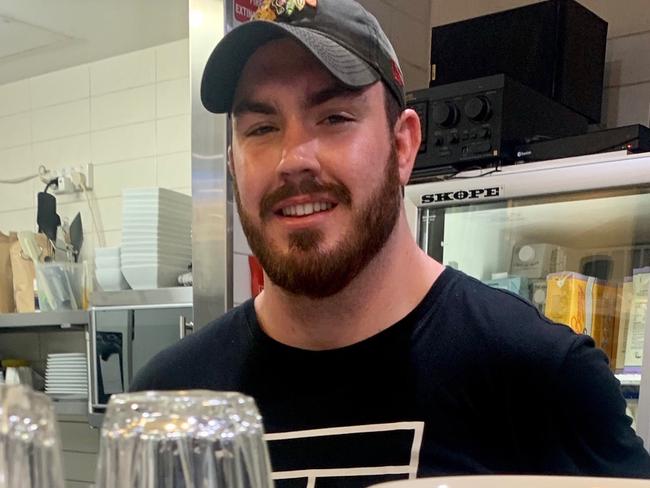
(407, 142)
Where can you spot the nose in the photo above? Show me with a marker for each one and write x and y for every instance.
(299, 152)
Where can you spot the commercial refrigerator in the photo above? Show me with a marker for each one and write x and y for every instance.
(571, 235)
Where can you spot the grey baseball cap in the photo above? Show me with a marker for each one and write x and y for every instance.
(341, 34)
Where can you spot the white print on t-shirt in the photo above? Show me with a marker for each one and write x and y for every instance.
(312, 473)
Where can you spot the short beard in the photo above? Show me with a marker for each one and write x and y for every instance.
(306, 270)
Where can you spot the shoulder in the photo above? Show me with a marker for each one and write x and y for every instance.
(504, 324)
(189, 360)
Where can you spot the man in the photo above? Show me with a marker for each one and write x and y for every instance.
(369, 360)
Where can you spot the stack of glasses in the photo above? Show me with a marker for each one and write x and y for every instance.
(30, 450)
(156, 237)
(183, 439)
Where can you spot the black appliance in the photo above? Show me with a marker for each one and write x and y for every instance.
(556, 47)
(476, 122)
(631, 138)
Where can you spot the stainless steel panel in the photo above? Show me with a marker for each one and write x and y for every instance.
(162, 296)
(211, 188)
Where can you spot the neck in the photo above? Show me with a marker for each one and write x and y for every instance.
(392, 284)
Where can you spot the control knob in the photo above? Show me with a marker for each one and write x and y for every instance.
(478, 109)
(445, 114)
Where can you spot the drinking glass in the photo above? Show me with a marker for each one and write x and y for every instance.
(183, 439)
(30, 451)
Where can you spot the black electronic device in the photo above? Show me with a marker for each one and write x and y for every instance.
(556, 47)
(477, 122)
(631, 138)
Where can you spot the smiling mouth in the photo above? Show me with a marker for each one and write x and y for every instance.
(305, 209)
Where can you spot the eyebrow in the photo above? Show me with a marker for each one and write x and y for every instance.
(330, 92)
(313, 100)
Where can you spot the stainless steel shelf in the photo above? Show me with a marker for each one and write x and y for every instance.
(63, 319)
(180, 295)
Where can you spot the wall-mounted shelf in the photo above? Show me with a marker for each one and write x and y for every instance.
(68, 319)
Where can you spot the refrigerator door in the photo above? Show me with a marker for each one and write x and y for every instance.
(571, 236)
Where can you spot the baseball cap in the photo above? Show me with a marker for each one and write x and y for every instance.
(341, 34)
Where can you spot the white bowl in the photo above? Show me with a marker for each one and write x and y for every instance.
(107, 251)
(515, 481)
(111, 279)
(107, 262)
(150, 276)
(157, 259)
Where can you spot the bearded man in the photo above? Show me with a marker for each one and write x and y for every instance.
(369, 360)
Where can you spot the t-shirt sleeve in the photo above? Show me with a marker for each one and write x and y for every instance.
(598, 433)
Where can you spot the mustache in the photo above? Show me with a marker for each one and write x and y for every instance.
(306, 186)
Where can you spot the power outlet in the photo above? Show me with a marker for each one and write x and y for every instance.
(68, 181)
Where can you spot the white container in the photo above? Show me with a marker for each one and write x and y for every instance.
(151, 276)
(111, 279)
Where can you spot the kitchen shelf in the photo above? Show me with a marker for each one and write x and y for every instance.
(67, 319)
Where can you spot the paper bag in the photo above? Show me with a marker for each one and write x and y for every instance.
(7, 304)
(24, 274)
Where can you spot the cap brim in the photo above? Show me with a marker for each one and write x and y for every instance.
(225, 64)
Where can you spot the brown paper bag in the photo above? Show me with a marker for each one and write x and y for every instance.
(7, 304)
(24, 273)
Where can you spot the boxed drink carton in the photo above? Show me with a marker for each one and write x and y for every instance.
(585, 304)
(568, 296)
(637, 317)
(623, 303)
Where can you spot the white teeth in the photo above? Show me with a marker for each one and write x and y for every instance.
(306, 209)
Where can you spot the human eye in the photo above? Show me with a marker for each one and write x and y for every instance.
(260, 130)
(337, 119)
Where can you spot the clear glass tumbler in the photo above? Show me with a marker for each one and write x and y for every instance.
(183, 439)
(30, 450)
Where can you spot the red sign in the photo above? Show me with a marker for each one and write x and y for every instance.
(244, 9)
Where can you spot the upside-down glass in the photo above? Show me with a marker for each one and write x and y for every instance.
(183, 439)
(30, 450)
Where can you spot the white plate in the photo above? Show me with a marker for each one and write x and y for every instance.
(67, 391)
(68, 396)
(58, 366)
(65, 372)
(66, 355)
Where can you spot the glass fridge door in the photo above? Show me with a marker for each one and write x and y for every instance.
(581, 257)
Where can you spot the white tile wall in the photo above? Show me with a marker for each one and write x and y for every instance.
(173, 134)
(127, 115)
(15, 162)
(15, 130)
(62, 120)
(172, 170)
(60, 87)
(173, 61)
(121, 143)
(121, 72)
(123, 107)
(57, 153)
(173, 97)
(14, 98)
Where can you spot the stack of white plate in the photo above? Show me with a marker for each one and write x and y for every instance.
(107, 269)
(66, 375)
(156, 237)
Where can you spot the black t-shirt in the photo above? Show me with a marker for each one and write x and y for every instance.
(473, 380)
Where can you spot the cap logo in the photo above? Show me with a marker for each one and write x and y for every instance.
(282, 10)
(397, 73)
